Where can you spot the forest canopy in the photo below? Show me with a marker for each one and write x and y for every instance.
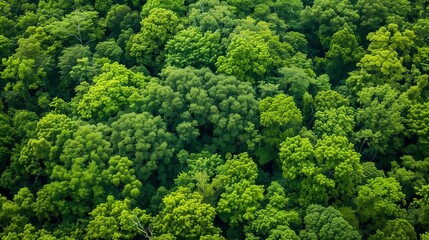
(214, 119)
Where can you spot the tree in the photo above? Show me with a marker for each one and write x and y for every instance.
(239, 202)
(147, 46)
(280, 118)
(328, 170)
(248, 57)
(80, 26)
(185, 215)
(295, 81)
(410, 173)
(273, 219)
(326, 223)
(380, 118)
(68, 59)
(335, 121)
(343, 55)
(417, 123)
(144, 139)
(115, 17)
(241, 197)
(330, 99)
(76, 184)
(376, 14)
(419, 208)
(177, 6)
(200, 174)
(191, 47)
(16, 214)
(289, 11)
(378, 201)
(396, 229)
(389, 54)
(116, 219)
(109, 49)
(325, 17)
(201, 107)
(7, 140)
(26, 71)
(122, 175)
(338, 160)
(212, 15)
(110, 92)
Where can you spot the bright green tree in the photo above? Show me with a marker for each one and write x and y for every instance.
(241, 197)
(239, 202)
(191, 47)
(110, 92)
(248, 57)
(280, 118)
(185, 215)
(116, 219)
(156, 29)
(335, 121)
(378, 201)
(177, 6)
(273, 218)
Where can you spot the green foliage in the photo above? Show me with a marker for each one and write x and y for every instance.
(15, 214)
(420, 207)
(327, 17)
(329, 99)
(381, 118)
(273, 220)
(212, 15)
(335, 121)
(184, 215)
(121, 174)
(26, 70)
(248, 55)
(202, 107)
(214, 119)
(396, 229)
(156, 29)
(280, 117)
(371, 171)
(378, 201)
(389, 52)
(177, 6)
(191, 47)
(7, 139)
(295, 81)
(331, 165)
(145, 140)
(343, 54)
(110, 92)
(376, 14)
(417, 123)
(239, 202)
(109, 49)
(80, 26)
(115, 219)
(326, 223)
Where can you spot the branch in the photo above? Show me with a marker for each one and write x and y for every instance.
(147, 232)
